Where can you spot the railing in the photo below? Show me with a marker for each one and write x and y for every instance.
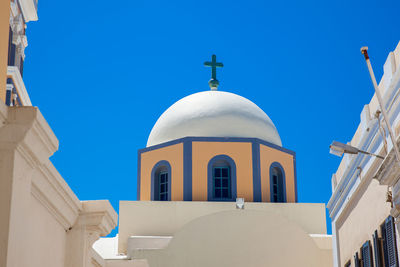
(16, 94)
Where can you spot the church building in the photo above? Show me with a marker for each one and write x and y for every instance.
(216, 188)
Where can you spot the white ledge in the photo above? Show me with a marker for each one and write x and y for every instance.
(15, 75)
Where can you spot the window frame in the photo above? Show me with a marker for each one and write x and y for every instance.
(160, 167)
(215, 163)
(160, 193)
(277, 166)
(222, 177)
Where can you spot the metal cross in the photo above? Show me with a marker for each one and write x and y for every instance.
(214, 65)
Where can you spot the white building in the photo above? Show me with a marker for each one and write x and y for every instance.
(363, 229)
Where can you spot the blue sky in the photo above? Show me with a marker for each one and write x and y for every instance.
(102, 72)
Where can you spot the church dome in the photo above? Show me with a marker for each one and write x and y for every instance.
(213, 114)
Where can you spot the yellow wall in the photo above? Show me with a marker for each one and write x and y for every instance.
(356, 225)
(269, 155)
(241, 153)
(174, 155)
(4, 31)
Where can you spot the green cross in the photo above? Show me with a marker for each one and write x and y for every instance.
(213, 64)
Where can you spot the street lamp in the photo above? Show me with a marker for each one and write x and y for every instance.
(337, 148)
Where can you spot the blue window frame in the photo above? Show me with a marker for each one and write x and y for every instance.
(161, 181)
(222, 183)
(221, 179)
(277, 183)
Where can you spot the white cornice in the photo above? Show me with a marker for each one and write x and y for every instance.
(30, 130)
(28, 9)
(26, 131)
(53, 192)
(98, 216)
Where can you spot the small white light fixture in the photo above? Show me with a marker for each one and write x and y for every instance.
(240, 203)
(337, 148)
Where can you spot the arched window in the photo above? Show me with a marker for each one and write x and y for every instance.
(161, 181)
(277, 183)
(221, 179)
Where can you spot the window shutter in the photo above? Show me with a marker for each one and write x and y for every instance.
(357, 260)
(366, 253)
(390, 240)
(377, 249)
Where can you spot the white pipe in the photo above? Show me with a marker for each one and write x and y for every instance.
(378, 95)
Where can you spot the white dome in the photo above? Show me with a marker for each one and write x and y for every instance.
(213, 114)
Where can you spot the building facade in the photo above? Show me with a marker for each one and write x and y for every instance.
(42, 221)
(364, 206)
(15, 15)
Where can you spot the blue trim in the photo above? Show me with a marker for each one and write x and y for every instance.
(9, 92)
(138, 175)
(295, 178)
(277, 165)
(217, 139)
(159, 164)
(210, 177)
(8, 97)
(256, 173)
(187, 170)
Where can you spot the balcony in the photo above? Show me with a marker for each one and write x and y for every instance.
(16, 91)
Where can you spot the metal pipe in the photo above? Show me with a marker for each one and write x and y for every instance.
(364, 51)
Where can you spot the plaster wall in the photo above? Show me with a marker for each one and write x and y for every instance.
(47, 237)
(269, 155)
(4, 31)
(269, 239)
(159, 218)
(174, 155)
(241, 153)
(356, 224)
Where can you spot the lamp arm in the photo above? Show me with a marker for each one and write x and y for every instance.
(372, 154)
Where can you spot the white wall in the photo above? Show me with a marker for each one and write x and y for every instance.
(158, 218)
(43, 223)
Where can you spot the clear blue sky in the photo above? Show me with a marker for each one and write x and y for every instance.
(102, 72)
